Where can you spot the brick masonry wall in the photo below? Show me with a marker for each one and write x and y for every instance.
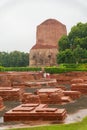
(42, 57)
(49, 32)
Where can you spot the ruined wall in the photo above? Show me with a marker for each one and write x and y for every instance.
(42, 57)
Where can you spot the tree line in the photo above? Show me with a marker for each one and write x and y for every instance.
(73, 47)
(14, 59)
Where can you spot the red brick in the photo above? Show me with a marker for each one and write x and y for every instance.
(26, 112)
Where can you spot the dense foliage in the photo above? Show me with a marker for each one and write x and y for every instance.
(14, 59)
(73, 48)
(62, 68)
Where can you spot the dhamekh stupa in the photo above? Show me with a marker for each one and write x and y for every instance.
(44, 52)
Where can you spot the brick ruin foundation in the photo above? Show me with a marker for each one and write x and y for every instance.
(51, 96)
(66, 78)
(11, 79)
(31, 79)
(8, 79)
(28, 112)
(41, 82)
(12, 85)
(81, 87)
(73, 94)
(78, 84)
(10, 94)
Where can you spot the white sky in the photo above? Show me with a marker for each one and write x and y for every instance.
(19, 19)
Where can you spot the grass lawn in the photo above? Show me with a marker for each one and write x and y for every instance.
(74, 126)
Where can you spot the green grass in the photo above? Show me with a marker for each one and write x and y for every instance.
(73, 126)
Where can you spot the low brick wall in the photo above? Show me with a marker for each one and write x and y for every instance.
(18, 78)
(8, 79)
(8, 93)
(41, 82)
(82, 87)
(77, 80)
(72, 94)
(66, 78)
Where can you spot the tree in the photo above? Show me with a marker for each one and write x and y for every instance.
(14, 59)
(78, 35)
(79, 54)
(76, 41)
(83, 43)
(4, 56)
(66, 56)
(63, 43)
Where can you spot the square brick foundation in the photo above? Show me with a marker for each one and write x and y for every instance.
(29, 112)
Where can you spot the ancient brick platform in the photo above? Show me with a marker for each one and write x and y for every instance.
(49, 90)
(41, 82)
(30, 98)
(66, 78)
(8, 79)
(60, 86)
(4, 80)
(9, 93)
(82, 87)
(27, 112)
(55, 96)
(77, 80)
(1, 104)
(49, 96)
(72, 94)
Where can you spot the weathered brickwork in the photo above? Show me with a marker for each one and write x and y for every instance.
(1, 104)
(49, 32)
(44, 52)
(69, 77)
(8, 93)
(82, 87)
(13, 79)
(29, 112)
(51, 96)
(42, 57)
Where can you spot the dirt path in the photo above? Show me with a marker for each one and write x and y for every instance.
(75, 117)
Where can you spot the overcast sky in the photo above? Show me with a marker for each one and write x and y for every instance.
(19, 19)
